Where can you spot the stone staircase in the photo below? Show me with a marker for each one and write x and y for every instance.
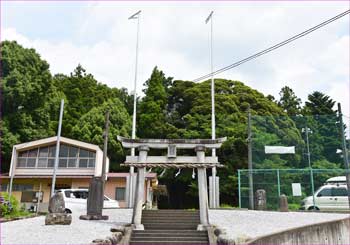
(169, 227)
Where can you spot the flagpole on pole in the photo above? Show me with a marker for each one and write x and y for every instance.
(133, 133)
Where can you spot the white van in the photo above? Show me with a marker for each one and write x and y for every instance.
(75, 200)
(329, 197)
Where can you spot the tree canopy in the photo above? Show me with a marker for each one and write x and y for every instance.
(170, 108)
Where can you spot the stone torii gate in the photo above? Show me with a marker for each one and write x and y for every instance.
(171, 160)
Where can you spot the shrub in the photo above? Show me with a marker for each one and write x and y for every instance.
(9, 206)
(293, 206)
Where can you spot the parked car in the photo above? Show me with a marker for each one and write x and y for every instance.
(76, 200)
(329, 197)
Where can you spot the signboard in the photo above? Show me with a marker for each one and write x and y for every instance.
(296, 188)
(279, 149)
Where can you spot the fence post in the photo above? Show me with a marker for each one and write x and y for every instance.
(312, 187)
(278, 183)
(239, 189)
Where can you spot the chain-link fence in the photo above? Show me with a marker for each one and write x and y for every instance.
(317, 141)
(279, 181)
(292, 149)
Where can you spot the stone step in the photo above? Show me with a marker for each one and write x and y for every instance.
(166, 223)
(170, 210)
(170, 215)
(145, 212)
(168, 242)
(170, 226)
(169, 231)
(169, 234)
(145, 239)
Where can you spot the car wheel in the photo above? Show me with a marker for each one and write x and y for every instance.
(67, 211)
(313, 208)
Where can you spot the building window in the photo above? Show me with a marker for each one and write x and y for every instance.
(44, 157)
(3, 187)
(22, 187)
(120, 193)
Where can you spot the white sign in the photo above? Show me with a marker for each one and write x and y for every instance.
(279, 149)
(296, 188)
(39, 195)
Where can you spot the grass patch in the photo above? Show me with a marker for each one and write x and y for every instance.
(20, 214)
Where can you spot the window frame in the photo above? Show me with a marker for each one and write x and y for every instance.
(89, 156)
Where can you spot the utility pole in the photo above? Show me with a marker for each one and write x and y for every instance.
(130, 193)
(345, 151)
(105, 143)
(307, 130)
(96, 188)
(57, 150)
(250, 162)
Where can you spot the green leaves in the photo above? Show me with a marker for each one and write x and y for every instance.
(90, 128)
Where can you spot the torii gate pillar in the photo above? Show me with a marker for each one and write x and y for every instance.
(140, 189)
(202, 189)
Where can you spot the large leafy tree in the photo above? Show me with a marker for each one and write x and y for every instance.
(91, 126)
(323, 121)
(83, 93)
(152, 119)
(190, 112)
(29, 100)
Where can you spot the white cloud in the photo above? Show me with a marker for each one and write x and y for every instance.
(174, 37)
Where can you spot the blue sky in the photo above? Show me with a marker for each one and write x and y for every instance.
(174, 37)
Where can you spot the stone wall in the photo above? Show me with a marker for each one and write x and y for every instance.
(332, 233)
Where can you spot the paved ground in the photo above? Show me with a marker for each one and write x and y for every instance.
(34, 230)
(250, 224)
(237, 224)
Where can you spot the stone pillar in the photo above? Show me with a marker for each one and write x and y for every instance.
(148, 194)
(202, 190)
(260, 199)
(283, 203)
(140, 189)
(94, 204)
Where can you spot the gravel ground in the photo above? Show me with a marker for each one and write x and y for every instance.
(34, 230)
(250, 224)
(237, 223)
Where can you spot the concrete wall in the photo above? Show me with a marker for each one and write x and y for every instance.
(332, 233)
(110, 186)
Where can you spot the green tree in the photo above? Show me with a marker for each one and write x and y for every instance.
(28, 98)
(323, 122)
(152, 118)
(289, 102)
(83, 93)
(91, 126)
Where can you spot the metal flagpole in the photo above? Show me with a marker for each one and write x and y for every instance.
(133, 133)
(57, 149)
(213, 201)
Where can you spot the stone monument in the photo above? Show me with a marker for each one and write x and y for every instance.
(95, 201)
(260, 199)
(283, 203)
(57, 215)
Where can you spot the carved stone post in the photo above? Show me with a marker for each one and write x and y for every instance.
(140, 189)
(202, 189)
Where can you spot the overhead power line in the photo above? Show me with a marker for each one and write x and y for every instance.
(265, 51)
